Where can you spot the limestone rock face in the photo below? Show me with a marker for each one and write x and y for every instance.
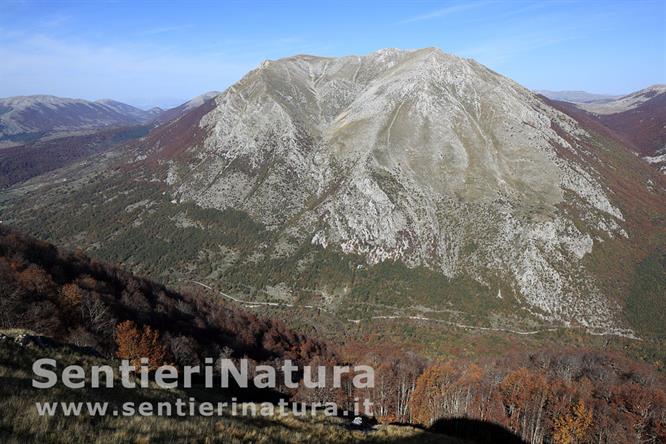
(417, 156)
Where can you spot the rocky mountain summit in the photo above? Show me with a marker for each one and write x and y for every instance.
(414, 156)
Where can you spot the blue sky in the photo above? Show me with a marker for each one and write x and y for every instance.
(164, 52)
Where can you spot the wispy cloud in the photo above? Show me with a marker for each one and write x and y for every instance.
(83, 69)
(535, 32)
(443, 12)
(165, 29)
(496, 52)
(56, 21)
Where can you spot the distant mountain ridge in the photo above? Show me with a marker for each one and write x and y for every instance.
(29, 117)
(41, 133)
(638, 118)
(626, 102)
(576, 96)
(180, 110)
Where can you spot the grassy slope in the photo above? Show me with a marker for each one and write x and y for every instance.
(20, 423)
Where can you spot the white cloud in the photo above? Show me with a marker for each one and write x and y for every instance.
(442, 12)
(165, 29)
(495, 52)
(55, 21)
(42, 64)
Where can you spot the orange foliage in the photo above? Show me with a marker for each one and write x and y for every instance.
(71, 295)
(431, 387)
(134, 344)
(573, 427)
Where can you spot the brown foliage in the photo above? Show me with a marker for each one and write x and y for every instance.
(561, 396)
(60, 294)
(71, 295)
(134, 344)
(548, 396)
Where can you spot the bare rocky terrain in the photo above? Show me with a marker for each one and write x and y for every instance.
(416, 156)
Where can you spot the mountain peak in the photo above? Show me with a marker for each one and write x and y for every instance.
(410, 156)
(659, 87)
(384, 55)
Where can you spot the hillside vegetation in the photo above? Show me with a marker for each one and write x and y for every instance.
(560, 396)
(20, 423)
